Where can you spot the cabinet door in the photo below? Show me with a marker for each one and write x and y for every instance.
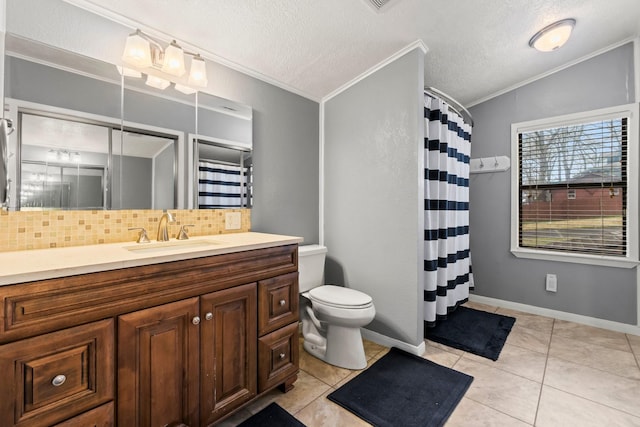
(228, 350)
(158, 365)
(56, 376)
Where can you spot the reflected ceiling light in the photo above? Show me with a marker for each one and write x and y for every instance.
(553, 36)
(128, 72)
(173, 62)
(157, 82)
(184, 89)
(198, 73)
(141, 51)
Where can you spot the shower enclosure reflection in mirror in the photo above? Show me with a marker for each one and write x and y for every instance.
(42, 80)
(6, 127)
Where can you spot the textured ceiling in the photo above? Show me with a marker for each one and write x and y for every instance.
(476, 48)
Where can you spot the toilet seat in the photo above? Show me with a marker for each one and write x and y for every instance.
(339, 297)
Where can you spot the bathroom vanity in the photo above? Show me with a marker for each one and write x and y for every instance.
(134, 335)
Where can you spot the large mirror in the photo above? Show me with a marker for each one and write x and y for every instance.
(89, 138)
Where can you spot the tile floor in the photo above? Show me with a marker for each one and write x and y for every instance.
(550, 373)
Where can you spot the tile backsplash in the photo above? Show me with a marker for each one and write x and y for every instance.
(26, 230)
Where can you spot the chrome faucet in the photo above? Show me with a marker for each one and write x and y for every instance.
(163, 232)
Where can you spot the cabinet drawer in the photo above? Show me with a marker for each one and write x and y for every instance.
(277, 356)
(277, 302)
(56, 376)
(102, 416)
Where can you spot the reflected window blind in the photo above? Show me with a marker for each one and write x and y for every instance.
(573, 188)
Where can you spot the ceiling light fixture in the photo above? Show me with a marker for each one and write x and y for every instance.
(553, 36)
(141, 51)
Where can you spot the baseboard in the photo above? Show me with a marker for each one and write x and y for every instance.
(561, 315)
(392, 342)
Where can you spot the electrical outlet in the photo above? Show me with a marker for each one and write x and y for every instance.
(552, 283)
(233, 221)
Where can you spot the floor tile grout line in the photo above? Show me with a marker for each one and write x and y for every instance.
(597, 402)
(499, 368)
(544, 373)
(635, 356)
(497, 410)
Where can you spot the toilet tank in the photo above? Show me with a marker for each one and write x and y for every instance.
(311, 266)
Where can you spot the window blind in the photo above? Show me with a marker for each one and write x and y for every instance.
(573, 188)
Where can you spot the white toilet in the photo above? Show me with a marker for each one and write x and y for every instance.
(331, 315)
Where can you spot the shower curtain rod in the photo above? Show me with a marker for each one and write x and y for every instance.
(459, 108)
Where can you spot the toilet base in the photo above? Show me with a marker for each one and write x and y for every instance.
(343, 348)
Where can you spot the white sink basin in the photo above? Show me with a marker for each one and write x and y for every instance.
(143, 248)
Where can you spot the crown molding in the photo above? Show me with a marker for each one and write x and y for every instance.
(418, 44)
(553, 71)
(210, 56)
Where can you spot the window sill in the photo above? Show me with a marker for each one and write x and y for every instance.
(575, 258)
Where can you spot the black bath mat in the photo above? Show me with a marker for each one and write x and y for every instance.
(272, 416)
(475, 331)
(402, 389)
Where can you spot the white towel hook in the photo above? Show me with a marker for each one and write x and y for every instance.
(481, 163)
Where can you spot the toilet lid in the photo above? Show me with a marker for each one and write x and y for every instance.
(337, 296)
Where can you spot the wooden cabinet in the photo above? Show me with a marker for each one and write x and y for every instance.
(278, 329)
(102, 416)
(50, 378)
(185, 341)
(158, 365)
(227, 351)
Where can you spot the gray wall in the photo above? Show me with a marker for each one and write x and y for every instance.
(373, 194)
(285, 125)
(163, 188)
(601, 292)
(135, 191)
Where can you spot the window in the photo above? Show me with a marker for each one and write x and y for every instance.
(574, 187)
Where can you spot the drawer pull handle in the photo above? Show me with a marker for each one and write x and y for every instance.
(208, 316)
(196, 320)
(282, 302)
(58, 380)
(282, 356)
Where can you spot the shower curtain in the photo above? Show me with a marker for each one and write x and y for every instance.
(221, 185)
(447, 264)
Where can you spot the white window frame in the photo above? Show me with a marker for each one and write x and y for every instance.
(633, 164)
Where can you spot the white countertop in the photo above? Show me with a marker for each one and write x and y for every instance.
(39, 264)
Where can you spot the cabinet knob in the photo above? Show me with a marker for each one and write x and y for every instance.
(282, 302)
(282, 356)
(195, 320)
(58, 380)
(208, 316)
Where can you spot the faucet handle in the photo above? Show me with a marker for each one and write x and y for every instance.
(182, 234)
(142, 237)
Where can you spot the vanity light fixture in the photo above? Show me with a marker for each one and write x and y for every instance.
(184, 89)
(157, 82)
(198, 73)
(137, 50)
(128, 72)
(142, 51)
(64, 156)
(553, 36)
(173, 62)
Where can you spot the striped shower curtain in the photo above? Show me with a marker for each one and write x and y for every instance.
(447, 264)
(221, 186)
